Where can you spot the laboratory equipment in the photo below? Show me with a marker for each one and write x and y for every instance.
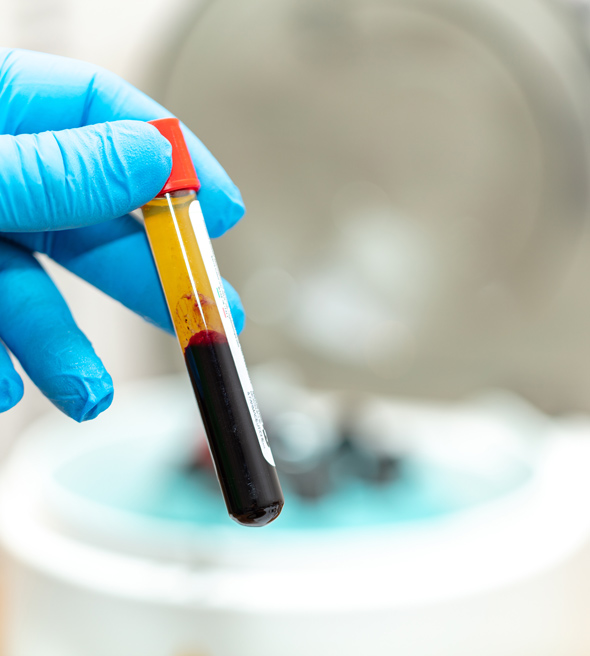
(205, 329)
(428, 159)
(483, 547)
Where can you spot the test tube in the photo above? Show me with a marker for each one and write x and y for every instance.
(205, 329)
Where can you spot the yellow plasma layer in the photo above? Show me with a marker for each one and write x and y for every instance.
(180, 265)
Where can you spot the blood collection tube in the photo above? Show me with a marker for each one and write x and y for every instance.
(204, 326)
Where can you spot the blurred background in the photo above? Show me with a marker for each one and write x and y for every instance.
(415, 269)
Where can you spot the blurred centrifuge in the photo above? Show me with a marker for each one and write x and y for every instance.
(479, 544)
(416, 177)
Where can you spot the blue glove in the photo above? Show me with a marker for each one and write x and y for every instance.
(75, 158)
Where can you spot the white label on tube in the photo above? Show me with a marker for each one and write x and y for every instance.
(200, 230)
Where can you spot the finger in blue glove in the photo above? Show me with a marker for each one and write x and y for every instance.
(11, 384)
(39, 329)
(57, 180)
(40, 92)
(115, 257)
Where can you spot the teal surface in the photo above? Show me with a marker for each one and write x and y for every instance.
(118, 476)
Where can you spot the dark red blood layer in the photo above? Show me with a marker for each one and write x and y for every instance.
(249, 483)
(205, 337)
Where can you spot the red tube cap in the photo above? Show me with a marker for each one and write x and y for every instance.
(183, 175)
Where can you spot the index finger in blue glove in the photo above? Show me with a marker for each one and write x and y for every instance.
(41, 92)
(115, 257)
(72, 178)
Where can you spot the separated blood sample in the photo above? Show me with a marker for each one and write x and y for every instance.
(205, 329)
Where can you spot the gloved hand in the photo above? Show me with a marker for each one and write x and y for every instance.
(75, 157)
